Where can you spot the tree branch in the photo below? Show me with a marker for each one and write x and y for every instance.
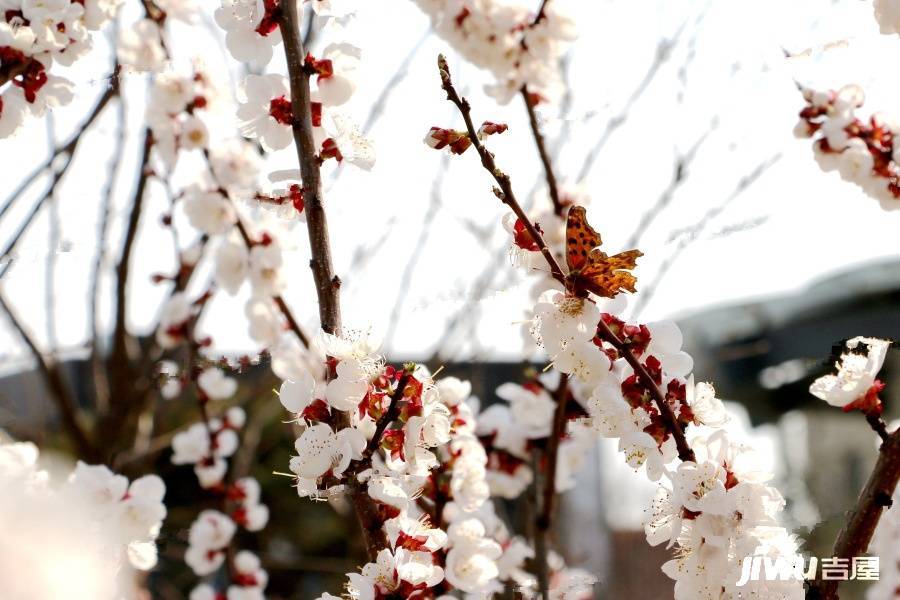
(70, 145)
(327, 283)
(391, 415)
(853, 539)
(64, 400)
(544, 519)
(505, 192)
(507, 197)
(552, 184)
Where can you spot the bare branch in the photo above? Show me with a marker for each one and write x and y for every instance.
(60, 393)
(552, 184)
(505, 192)
(70, 145)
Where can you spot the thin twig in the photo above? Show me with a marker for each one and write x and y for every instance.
(70, 145)
(552, 184)
(505, 192)
(60, 393)
(878, 426)
(391, 415)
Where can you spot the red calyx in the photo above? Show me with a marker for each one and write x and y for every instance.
(522, 238)
(269, 22)
(280, 110)
(323, 68)
(330, 150)
(869, 403)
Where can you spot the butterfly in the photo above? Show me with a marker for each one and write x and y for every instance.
(591, 269)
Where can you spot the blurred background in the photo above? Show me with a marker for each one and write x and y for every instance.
(676, 131)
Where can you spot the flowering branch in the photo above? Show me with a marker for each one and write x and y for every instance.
(506, 195)
(853, 539)
(392, 414)
(854, 386)
(327, 283)
(685, 453)
(505, 192)
(278, 299)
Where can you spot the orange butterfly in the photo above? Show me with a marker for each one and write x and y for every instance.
(590, 269)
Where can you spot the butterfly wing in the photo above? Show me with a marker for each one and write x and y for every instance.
(608, 275)
(581, 239)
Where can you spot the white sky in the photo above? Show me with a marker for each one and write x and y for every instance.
(795, 224)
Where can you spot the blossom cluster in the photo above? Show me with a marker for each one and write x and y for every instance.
(206, 445)
(35, 36)
(510, 431)
(520, 49)
(94, 521)
(715, 508)
(266, 111)
(861, 151)
(714, 505)
(408, 444)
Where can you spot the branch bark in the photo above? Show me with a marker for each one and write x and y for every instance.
(328, 286)
(122, 377)
(327, 283)
(876, 496)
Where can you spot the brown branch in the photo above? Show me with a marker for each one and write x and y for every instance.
(63, 398)
(546, 497)
(391, 415)
(506, 195)
(123, 377)
(552, 184)
(505, 192)
(853, 539)
(327, 283)
(101, 377)
(123, 267)
(878, 426)
(685, 452)
(561, 395)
